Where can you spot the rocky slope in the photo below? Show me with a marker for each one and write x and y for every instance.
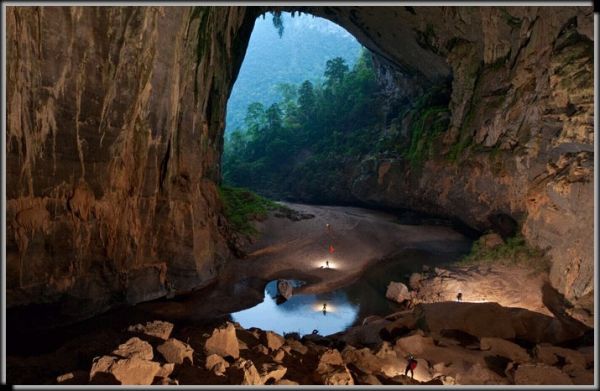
(449, 350)
(115, 123)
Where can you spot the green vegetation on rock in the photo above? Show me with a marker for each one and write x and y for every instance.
(241, 206)
(514, 251)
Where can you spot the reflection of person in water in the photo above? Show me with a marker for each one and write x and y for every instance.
(324, 308)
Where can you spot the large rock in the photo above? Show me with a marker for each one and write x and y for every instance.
(175, 351)
(244, 372)
(505, 348)
(493, 320)
(271, 340)
(534, 374)
(128, 371)
(223, 342)
(271, 373)
(551, 355)
(397, 292)
(284, 288)
(216, 364)
(135, 347)
(158, 328)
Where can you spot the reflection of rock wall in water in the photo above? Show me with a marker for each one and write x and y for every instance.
(115, 121)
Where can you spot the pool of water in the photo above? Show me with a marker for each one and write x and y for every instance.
(344, 307)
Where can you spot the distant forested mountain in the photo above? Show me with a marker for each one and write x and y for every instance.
(300, 54)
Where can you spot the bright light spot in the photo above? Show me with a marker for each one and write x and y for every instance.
(326, 263)
(319, 307)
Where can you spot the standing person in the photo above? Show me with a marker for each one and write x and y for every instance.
(459, 296)
(410, 366)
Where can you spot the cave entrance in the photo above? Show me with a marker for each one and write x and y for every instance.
(302, 106)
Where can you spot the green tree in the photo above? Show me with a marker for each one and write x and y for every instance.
(335, 70)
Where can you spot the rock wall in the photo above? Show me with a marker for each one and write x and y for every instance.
(115, 121)
(521, 133)
(114, 124)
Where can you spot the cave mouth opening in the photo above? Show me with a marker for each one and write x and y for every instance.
(301, 107)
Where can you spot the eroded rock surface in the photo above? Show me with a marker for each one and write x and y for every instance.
(115, 123)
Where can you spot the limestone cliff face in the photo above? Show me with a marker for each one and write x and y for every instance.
(520, 139)
(115, 123)
(115, 117)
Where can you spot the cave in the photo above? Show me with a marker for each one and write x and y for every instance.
(114, 215)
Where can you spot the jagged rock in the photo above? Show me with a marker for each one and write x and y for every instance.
(549, 354)
(223, 342)
(530, 374)
(505, 348)
(243, 372)
(284, 288)
(272, 340)
(271, 372)
(364, 359)
(579, 375)
(478, 374)
(336, 375)
(295, 346)
(415, 280)
(331, 369)
(130, 371)
(158, 328)
(279, 355)
(135, 347)
(216, 364)
(75, 377)
(397, 292)
(260, 348)
(175, 351)
(491, 240)
(330, 357)
(165, 370)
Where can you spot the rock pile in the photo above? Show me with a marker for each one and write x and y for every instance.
(454, 343)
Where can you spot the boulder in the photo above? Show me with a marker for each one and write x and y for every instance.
(295, 346)
(478, 374)
(130, 371)
(75, 378)
(550, 355)
(397, 292)
(284, 288)
(243, 372)
(542, 374)
(271, 340)
(223, 342)
(415, 280)
(157, 328)
(260, 348)
(175, 351)
(579, 375)
(336, 376)
(165, 370)
(271, 372)
(491, 240)
(331, 369)
(135, 347)
(216, 364)
(505, 348)
(279, 355)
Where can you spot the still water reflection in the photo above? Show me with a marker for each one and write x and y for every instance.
(328, 312)
(345, 306)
